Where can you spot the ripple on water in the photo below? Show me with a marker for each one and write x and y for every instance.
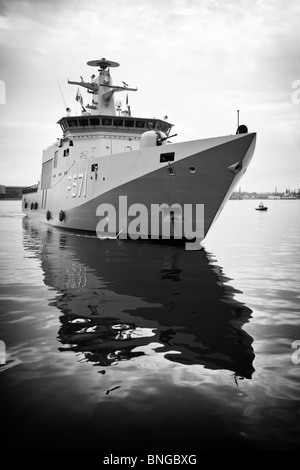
(150, 338)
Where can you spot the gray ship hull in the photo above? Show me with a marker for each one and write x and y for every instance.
(203, 172)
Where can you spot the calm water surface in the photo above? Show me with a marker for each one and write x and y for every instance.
(115, 345)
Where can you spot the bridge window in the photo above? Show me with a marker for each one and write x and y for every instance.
(83, 122)
(140, 124)
(72, 122)
(64, 125)
(150, 125)
(94, 121)
(129, 123)
(118, 122)
(107, 122)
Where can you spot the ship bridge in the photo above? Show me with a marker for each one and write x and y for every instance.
(72, 125)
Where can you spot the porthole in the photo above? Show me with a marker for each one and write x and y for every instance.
(192, 170)
(61, 215)
(237, 168)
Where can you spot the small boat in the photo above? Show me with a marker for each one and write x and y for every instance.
(261, 207)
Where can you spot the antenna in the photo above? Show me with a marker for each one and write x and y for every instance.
(238, 118)
(119, 106)
(64, 101)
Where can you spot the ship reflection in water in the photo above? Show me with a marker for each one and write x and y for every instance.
(123, 300)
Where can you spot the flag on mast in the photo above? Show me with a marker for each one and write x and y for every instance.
(79, 97)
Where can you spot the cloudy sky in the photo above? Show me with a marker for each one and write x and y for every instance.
(197, 61)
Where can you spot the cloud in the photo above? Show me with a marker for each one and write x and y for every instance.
(196, 61)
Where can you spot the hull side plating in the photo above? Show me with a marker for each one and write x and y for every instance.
(202, 172)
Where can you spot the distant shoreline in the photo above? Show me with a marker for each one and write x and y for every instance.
(10, 199)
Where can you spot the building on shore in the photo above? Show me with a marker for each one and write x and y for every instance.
(265, 195)
(11, 192)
